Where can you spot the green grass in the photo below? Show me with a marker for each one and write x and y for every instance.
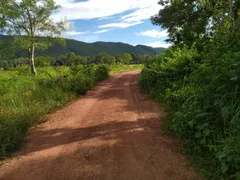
(118, 68)
(26, 99)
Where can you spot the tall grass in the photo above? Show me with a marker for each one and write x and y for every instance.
(26, 99)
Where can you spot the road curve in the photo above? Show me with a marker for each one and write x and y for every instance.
(112, 133)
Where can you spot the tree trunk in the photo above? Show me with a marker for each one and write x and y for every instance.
(32, 62)
(235, 16)
(234, 8)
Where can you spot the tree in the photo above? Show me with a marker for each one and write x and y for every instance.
(91, 59)
(7, 50)
(125, 59)
(100, 57)
(138, 59)
(104, 58)
(80, 60)
(190, 20)
(44, 61)
(195, 21)
(4, 64)
(2, 10)
(71, 59)
(30, 23)
(229, 10)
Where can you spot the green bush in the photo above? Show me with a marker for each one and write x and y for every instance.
(202, 95)
(79, 83)
(26, 99)
(102, 72)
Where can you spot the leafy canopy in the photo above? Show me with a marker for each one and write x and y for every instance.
(195, 21)
(30, 22)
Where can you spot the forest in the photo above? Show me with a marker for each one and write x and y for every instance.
(71, 59)
(197, 80)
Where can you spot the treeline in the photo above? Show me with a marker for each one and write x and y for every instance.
(71, 59)
(198, 79)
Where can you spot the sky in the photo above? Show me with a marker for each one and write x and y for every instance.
(126, 21)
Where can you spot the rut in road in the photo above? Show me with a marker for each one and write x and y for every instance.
(112, 133)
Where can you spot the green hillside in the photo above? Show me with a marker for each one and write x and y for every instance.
(150, 49)
(91, 49)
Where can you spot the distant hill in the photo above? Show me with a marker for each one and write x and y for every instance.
(150, 49)
(91, 49)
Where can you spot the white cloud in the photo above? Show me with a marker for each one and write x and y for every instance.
(88, 38)
(86, 33)
(101, 8)
(74, 33)
(102, 31)
(120, 25)
(142, 13)
(158, 44)
(72, 10)
(63, 2)
(154, 33)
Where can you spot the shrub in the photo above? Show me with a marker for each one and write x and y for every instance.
(102, 72)
(202, 96)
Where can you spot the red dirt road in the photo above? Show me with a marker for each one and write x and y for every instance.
(112, 133)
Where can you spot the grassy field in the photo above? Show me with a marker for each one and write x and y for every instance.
(26, 99)
(124, 68)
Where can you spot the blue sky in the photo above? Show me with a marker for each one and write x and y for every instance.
(126, 21)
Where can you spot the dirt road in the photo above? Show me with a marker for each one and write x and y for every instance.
(112, 133)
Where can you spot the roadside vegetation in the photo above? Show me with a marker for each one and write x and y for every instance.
(198, 81)
(25, 99)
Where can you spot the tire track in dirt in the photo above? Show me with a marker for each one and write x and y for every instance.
(113, 132)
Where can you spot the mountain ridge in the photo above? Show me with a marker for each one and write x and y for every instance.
(91, 49)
